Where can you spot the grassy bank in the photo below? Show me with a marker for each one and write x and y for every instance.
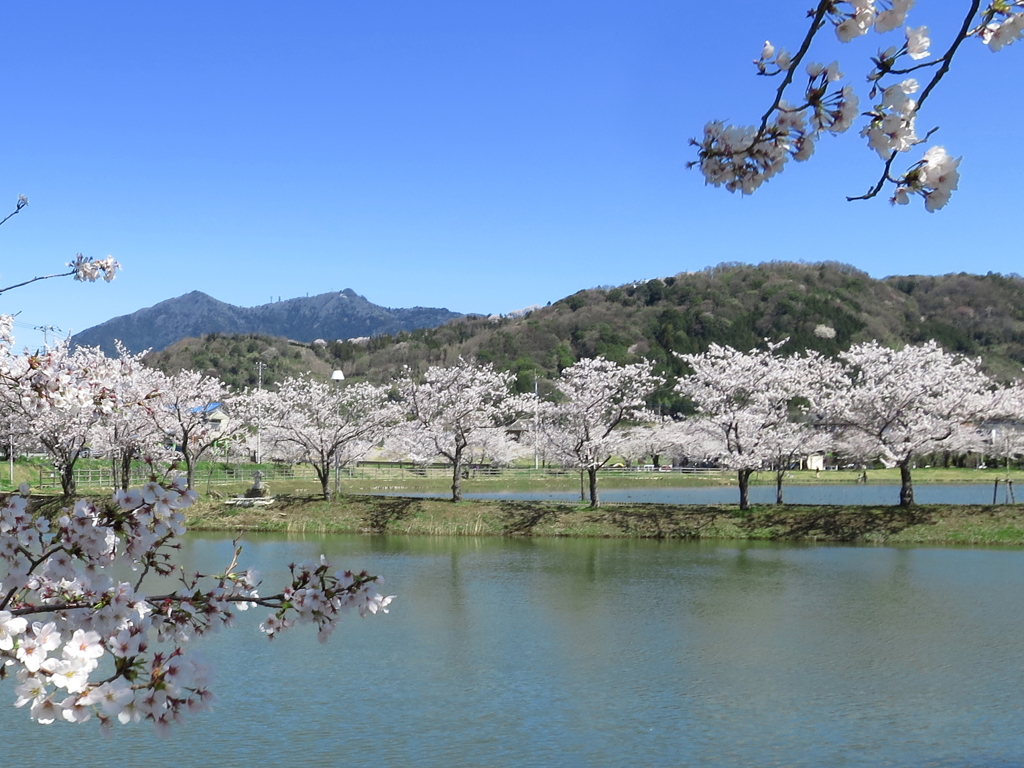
(924, 524)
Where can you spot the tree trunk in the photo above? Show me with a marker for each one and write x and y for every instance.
(743, 476)
(209, 477)
(457, 476)
(594, 503)
(67, 478)
(64, 463)
(126, 468)
(189, 459)
(583, 491)
(778, 484)
(323, 474)
(906, 488)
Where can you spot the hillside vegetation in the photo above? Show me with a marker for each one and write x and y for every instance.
(824, 306)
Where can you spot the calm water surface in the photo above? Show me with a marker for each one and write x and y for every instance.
(608, 653)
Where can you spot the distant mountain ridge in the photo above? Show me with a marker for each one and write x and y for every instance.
(327, 316)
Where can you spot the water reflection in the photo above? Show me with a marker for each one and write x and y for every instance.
(611, 653)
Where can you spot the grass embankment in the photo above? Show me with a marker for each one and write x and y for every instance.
(298, 509)
(924, 524)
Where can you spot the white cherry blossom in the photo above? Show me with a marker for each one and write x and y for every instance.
(918, 42)
(893, 17)
(320, 422)
(742, 158)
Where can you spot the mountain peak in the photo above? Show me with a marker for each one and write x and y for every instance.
(332, 315)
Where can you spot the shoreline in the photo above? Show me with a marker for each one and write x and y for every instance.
(936, 524)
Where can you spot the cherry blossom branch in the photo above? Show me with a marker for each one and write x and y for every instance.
(909, 70)
(817, 22)
(86, 615)
(886, 175)
(742, 158)
(22, 202)
(948, 56)
(83, 268)
(944, 61)
(36, 279)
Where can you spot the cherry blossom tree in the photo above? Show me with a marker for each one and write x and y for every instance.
(188, 400)
(128, 432)
(597, 396)
(454, 410)
(811, 100)
(897, 405)
(750, 405)
(648, 440)
(325, 424)
(789, 442)
(84, 377)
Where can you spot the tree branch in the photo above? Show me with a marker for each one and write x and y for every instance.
(34, 279)
(816, 24)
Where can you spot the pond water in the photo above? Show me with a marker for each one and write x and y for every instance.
(607, 653)
(851, 493)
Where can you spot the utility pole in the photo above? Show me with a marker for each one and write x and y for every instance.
(536, 458)
(259, 421)
(337, 377)
(46, 329)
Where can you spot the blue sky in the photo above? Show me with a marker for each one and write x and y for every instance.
(477, 156)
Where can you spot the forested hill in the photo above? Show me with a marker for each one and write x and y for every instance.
(825, 306)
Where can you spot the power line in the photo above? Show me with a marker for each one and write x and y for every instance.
(46, 332)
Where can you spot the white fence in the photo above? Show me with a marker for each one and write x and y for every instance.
(102, 477)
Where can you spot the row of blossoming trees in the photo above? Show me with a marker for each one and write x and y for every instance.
(116, 407)
(760, 410)
(752, 411)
